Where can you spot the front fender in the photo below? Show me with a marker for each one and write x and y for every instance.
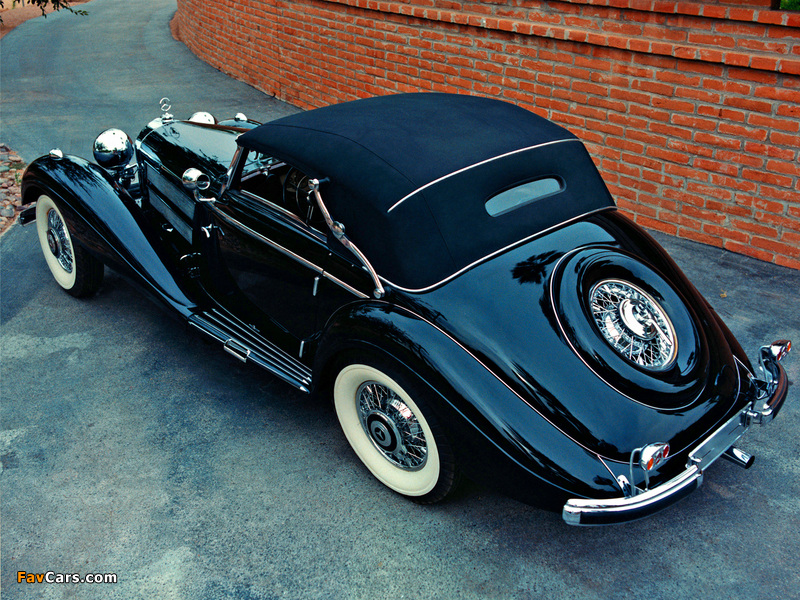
(106, 221)
(499, 439)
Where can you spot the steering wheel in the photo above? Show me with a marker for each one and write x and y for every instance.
(297, 194)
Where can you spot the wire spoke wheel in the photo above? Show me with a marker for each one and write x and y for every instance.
(58, 240)
(633, 323)
(74, 269)
(392, 431)
(392, 426)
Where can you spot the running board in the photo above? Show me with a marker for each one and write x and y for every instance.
(249, 346)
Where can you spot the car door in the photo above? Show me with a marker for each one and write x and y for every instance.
(264, 259)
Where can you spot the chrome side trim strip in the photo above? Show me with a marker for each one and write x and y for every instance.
(283, 211)
(613, 475)
(257, 343)
(478, 164)
(237, 349)
(249, 346)
(343, 285)
(744, 367)
(160, 167)
(498, 252)
(285, 251)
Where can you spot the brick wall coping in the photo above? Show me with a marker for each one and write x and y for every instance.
(730, 12)
(685, 30)
(765, 15)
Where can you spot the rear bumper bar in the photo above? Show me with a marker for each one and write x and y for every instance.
(583, 511)
(622, 510)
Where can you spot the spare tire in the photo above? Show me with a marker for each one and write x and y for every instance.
(632, 328)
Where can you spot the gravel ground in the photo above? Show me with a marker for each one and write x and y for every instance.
(11, 169)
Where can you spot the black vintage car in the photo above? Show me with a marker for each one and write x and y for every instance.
(451, 269)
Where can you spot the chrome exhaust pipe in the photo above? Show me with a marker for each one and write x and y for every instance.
(739, 457)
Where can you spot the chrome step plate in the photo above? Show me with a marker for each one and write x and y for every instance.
(249, 346)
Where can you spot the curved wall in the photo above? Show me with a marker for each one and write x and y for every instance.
(690, 109)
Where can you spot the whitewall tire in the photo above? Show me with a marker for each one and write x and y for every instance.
(74, 269)
(393, 433)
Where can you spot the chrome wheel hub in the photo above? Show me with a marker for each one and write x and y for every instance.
(382, 431)
(637, 318)
(391, 426)
(633, 323)
(58, 242)
(52, 242)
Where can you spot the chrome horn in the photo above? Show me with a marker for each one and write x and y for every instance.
(196, 181)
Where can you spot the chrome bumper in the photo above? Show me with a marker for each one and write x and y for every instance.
(773, 390)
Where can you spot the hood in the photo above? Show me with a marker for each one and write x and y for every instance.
(530, 316)
(175, 146)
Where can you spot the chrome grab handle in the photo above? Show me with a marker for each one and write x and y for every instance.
(338, 231)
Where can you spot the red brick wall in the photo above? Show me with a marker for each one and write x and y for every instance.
(691, 109)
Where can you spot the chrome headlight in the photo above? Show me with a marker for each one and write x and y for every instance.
(203, 117)
(113, 149)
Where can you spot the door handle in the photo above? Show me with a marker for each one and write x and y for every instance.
(209, 229)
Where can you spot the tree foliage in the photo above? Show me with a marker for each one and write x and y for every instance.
(43, 4)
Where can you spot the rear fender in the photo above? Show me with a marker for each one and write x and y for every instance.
(105, 220)
(499, 439)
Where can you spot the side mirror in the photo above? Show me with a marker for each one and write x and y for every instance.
(196, 181)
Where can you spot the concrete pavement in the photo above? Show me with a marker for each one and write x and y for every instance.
(66, 78)
(129, 448)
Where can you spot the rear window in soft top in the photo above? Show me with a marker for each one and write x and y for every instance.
(522, 195)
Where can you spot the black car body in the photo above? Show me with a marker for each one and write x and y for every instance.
(453, 268)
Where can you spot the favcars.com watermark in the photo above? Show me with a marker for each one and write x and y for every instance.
(53, 577)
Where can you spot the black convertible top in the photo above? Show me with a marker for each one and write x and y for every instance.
(409, 176)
